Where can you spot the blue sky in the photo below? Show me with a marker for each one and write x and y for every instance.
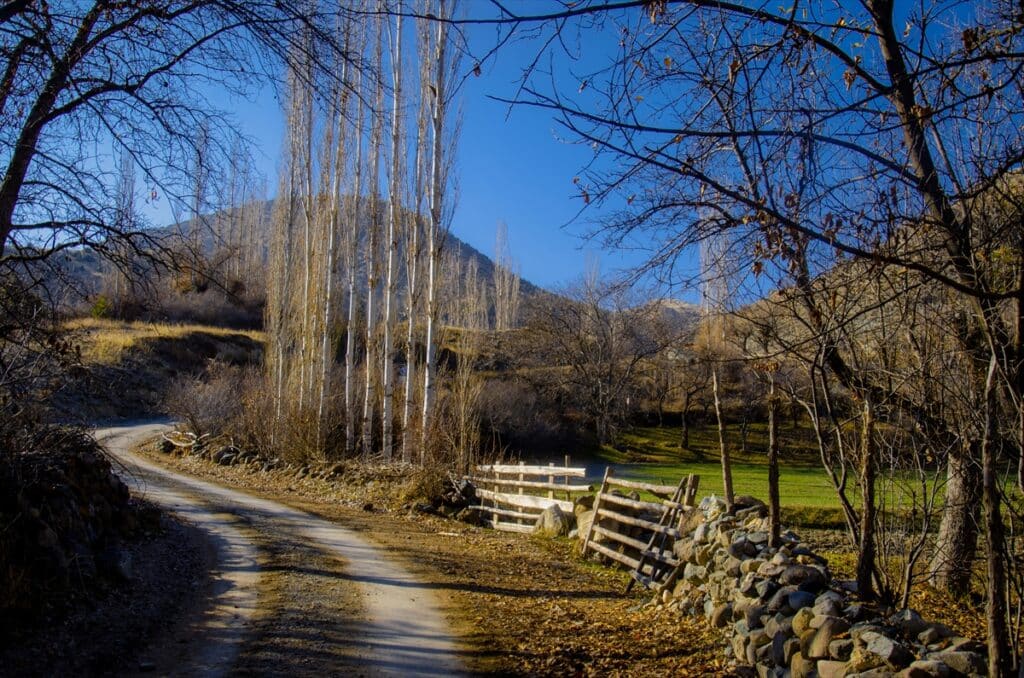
(511, 166)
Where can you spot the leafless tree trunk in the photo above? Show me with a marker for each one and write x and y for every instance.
(372, 263)
(354, 214)
(1001, 659)
(440, 93)
(506, 282)
(396, 190)
(413, 248)
(868, 470)
(716, 291)
(774, 503)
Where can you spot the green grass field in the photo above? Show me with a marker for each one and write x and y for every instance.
(808, 499)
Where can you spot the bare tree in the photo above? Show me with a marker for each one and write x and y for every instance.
(128, 76)
(506, 282)
(396, 191)
(598, 341)
(438, 52)
(373, 243)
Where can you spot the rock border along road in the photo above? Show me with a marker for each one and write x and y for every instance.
(403, 634)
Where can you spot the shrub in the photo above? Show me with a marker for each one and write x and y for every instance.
(207, 404)
(101, 308)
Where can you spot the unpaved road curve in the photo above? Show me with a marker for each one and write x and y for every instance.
(401, 632)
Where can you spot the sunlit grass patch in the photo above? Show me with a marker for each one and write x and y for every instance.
(104, 342)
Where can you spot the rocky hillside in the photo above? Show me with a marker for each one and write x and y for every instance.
(127, 367)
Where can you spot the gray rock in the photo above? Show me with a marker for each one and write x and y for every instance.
(758, 537)
(783, 649)
(806, 577)
(753, 616)
(690, 520)
(966, 645)
(828, 630)
(695, 573)
(933, 633)
(721, 615)
(827, 605)
(766, 588)
(741, 548)
(926, 668)
(682, 549)
(864, 627)
(584, 520)
(801, 599)
(909, 622)
(769, 569)
(841, 649)
(894, 654)
(749, 566)
(780, 601)
(700, 535)
(780, 623)
(962, 661)
(552, 522)
(748, 585)
(872, 673)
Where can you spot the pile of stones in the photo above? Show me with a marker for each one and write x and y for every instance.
(783, 614)
(64, 519)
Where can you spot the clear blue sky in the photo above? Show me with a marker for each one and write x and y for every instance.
(511, 166)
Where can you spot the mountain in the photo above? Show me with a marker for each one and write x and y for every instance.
(680, 315)
(78, 274)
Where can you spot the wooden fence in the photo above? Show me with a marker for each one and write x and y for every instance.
(508, 492)
(655, 561)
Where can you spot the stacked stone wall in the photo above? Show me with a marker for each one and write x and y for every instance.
(783, 614)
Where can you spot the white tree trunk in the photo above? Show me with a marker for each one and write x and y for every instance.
(376, 134)
(436, 215)
(394, 204)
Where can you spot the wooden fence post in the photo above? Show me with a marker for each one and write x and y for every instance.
(568, 494)
(597, 505)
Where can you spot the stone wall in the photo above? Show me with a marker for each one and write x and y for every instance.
(783, 613)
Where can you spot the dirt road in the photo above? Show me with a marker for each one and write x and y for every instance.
(293, 593)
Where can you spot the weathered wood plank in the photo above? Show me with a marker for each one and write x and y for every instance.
(512, 527)
(573, 472)
(637, 485)
(660, 556)
(621, 538)
(631, 563)
(631, 503)
(638, 522)
(524, 500)
(597, 506)
(513, 482)
(506, 512)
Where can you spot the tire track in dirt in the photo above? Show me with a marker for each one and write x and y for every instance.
(398, 629)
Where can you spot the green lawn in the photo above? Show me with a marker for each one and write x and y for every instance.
(808, 499)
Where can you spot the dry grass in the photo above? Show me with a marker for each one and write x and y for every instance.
(104, 342)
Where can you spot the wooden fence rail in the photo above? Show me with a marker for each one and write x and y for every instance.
(502, 490)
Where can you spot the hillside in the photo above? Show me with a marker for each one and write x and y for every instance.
(77, 274)
(127, 368)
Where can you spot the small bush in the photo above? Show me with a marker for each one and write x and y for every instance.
(207, 404)
(101, 308)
